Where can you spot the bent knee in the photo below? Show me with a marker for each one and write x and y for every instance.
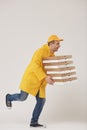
(23, 98)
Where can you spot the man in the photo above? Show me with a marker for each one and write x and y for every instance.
(35, 79)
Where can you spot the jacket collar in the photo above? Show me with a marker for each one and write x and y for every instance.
(48, 49)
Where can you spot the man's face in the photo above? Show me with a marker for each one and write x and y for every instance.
(55, 46)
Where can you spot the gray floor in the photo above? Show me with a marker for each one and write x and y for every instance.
(52, 126)
(14, 120)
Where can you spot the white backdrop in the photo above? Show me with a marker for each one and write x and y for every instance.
(25, 25)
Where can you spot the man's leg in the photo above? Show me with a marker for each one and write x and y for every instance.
(15, 97)
(37, 111)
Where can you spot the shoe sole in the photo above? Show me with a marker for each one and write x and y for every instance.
(6, 103)
(44, 126)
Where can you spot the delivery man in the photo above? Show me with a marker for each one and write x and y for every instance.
(35, 79)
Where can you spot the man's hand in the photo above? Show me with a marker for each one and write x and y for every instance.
(49, 80)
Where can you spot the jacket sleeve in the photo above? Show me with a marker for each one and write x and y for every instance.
(37, 67)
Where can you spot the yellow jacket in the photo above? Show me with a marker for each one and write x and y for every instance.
(34, 77)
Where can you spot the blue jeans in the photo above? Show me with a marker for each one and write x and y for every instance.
(38, 107)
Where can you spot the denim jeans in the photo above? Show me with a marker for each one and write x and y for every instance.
(38, 107)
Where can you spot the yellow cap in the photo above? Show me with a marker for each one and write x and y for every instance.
(54, 37)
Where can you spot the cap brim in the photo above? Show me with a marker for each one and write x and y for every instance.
(60, 39)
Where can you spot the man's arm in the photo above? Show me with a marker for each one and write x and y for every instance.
(38, 70)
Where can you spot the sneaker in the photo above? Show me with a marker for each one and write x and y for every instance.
(37, 125)
(8, 103)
